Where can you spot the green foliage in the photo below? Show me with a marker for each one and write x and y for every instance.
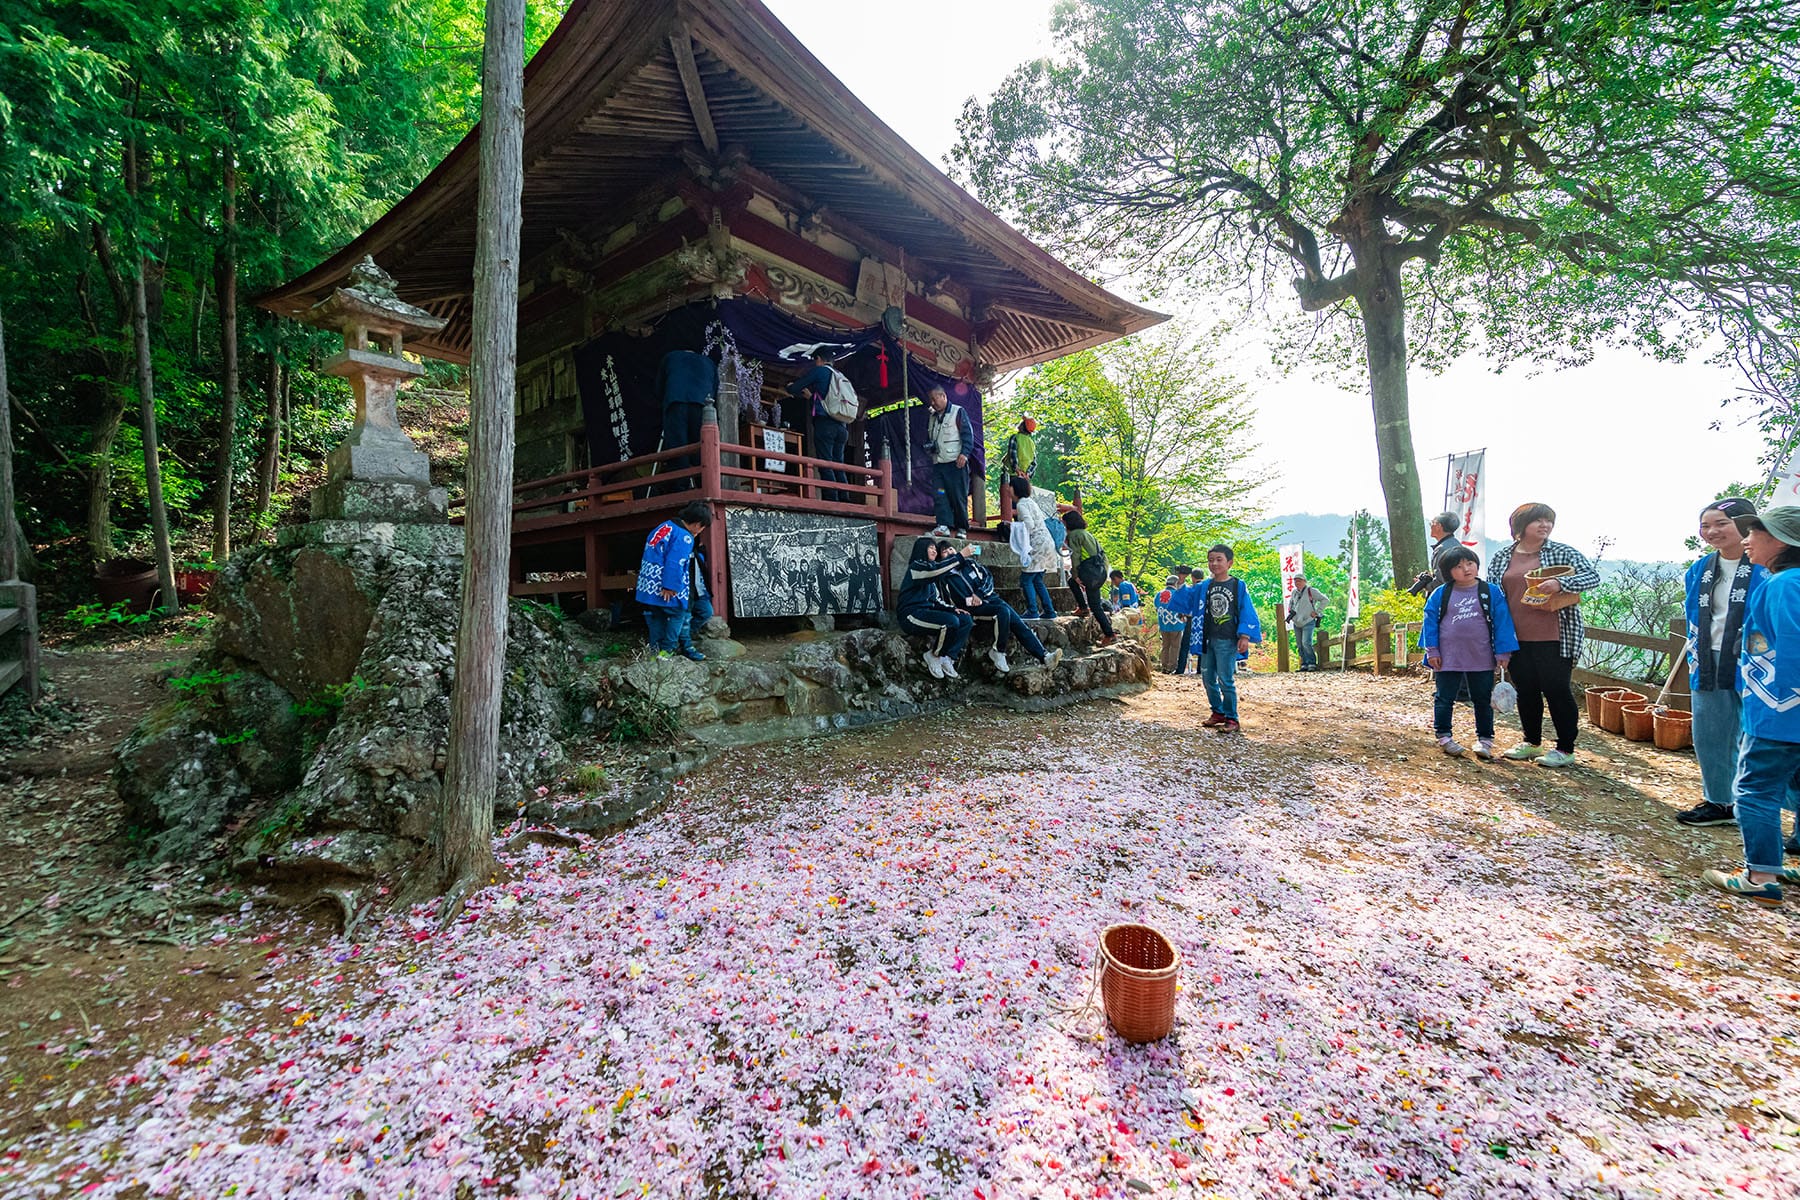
(641, 718)
(1637, 598)
(1154, 433)
(1369, 535)
(117, 613)
(589, 777)
(329, 700)
(326, 112)
(1534, 181)
(238, 738)
(204, 680)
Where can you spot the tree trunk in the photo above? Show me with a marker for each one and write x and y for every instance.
(227, 267)
(146, 381)
(9, 533)
(1382, 303)
(271, 457)
(99, 508)
(466, 820)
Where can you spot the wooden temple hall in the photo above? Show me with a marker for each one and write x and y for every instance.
(695, 180)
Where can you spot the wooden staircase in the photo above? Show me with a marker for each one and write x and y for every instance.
(19, 639)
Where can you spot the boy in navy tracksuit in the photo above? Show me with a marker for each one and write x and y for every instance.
(665, 578)
(924, 609)
(1225, 623)
(972, 587)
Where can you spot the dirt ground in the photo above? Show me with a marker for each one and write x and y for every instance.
(104, 959)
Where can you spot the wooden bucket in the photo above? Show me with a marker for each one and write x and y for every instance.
(1612, 708)
(1594, 695)
(1139, 968)
(1538, 599)
(1674, 729)
(1639, 721)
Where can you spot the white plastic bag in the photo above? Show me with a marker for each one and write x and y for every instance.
(1506, 697)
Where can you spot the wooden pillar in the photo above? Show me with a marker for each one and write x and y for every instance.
(728, 415)
(717, 578)
(1324, 648)
(595, 557)
(977, 498)
(711, 487)
(1346, 648)
(1281, 637)
(1006, 502)
(889, 500)
(1382, 643)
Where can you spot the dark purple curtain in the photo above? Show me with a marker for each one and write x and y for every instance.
(763, 332)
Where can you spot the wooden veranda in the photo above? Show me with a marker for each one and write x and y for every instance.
(581, 533)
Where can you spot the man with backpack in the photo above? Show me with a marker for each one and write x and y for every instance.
(834, 407)
(950, 437)
(1303, 612)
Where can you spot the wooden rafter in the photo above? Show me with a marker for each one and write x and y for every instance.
(689, 70)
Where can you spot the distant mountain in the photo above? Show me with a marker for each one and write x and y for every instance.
(1319, 532)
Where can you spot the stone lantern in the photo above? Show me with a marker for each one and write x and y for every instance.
(377, 473)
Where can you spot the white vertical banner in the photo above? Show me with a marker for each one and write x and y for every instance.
(1465, 494)
(1293, 563)
(1353, 602)
(1785, 483)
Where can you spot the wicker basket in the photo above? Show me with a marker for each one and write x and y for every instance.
(1674, 729)
(1612, 708)
(1538, 599)
(1639, 721)
(1594, 695)
(1139, 967)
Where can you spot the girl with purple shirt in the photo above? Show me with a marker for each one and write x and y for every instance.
(1466, 635)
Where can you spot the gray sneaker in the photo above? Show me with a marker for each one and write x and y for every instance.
(1484, 749)
(1052, 658)
(1452, 747)
(1555, 758)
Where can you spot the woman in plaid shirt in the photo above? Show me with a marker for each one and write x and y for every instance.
(1549, 642)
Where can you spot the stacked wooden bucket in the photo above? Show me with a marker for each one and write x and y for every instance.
(1632, 715)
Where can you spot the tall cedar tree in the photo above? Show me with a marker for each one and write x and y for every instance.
(1546, 174)
(466, 821)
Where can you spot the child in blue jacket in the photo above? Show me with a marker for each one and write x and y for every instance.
(663, 585)
(1769, 685)
(1225, 623)
(1467, 634)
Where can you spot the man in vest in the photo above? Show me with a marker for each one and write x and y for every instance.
(950, 435)
(1303, 617)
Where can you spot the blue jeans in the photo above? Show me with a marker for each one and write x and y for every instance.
(1218, 669)
(830, 438)
(950, 501)
(946, 631)
(1037, 596)
(1008, 625)
(1304, 642)
(1767, 774)
(665, 626)
(1481, 695)
(699, 612)
(1718, 729)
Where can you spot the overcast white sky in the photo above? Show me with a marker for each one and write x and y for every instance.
(1622, 447)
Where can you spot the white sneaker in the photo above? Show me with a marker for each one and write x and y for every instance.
(999, 661)
(949, 665)
(1051, 659)
(934, 664)
(941, 531)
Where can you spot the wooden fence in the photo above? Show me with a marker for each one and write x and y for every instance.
(1384, 645)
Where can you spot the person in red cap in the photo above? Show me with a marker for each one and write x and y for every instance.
(1018, 462)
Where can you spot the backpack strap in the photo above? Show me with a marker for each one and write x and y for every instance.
(1487, 612)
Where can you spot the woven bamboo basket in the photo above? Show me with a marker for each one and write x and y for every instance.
(1139, 969)
(1674, 729)
(1594, 695)
(1538, 599)
(1639, 721)
(1612, 708)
